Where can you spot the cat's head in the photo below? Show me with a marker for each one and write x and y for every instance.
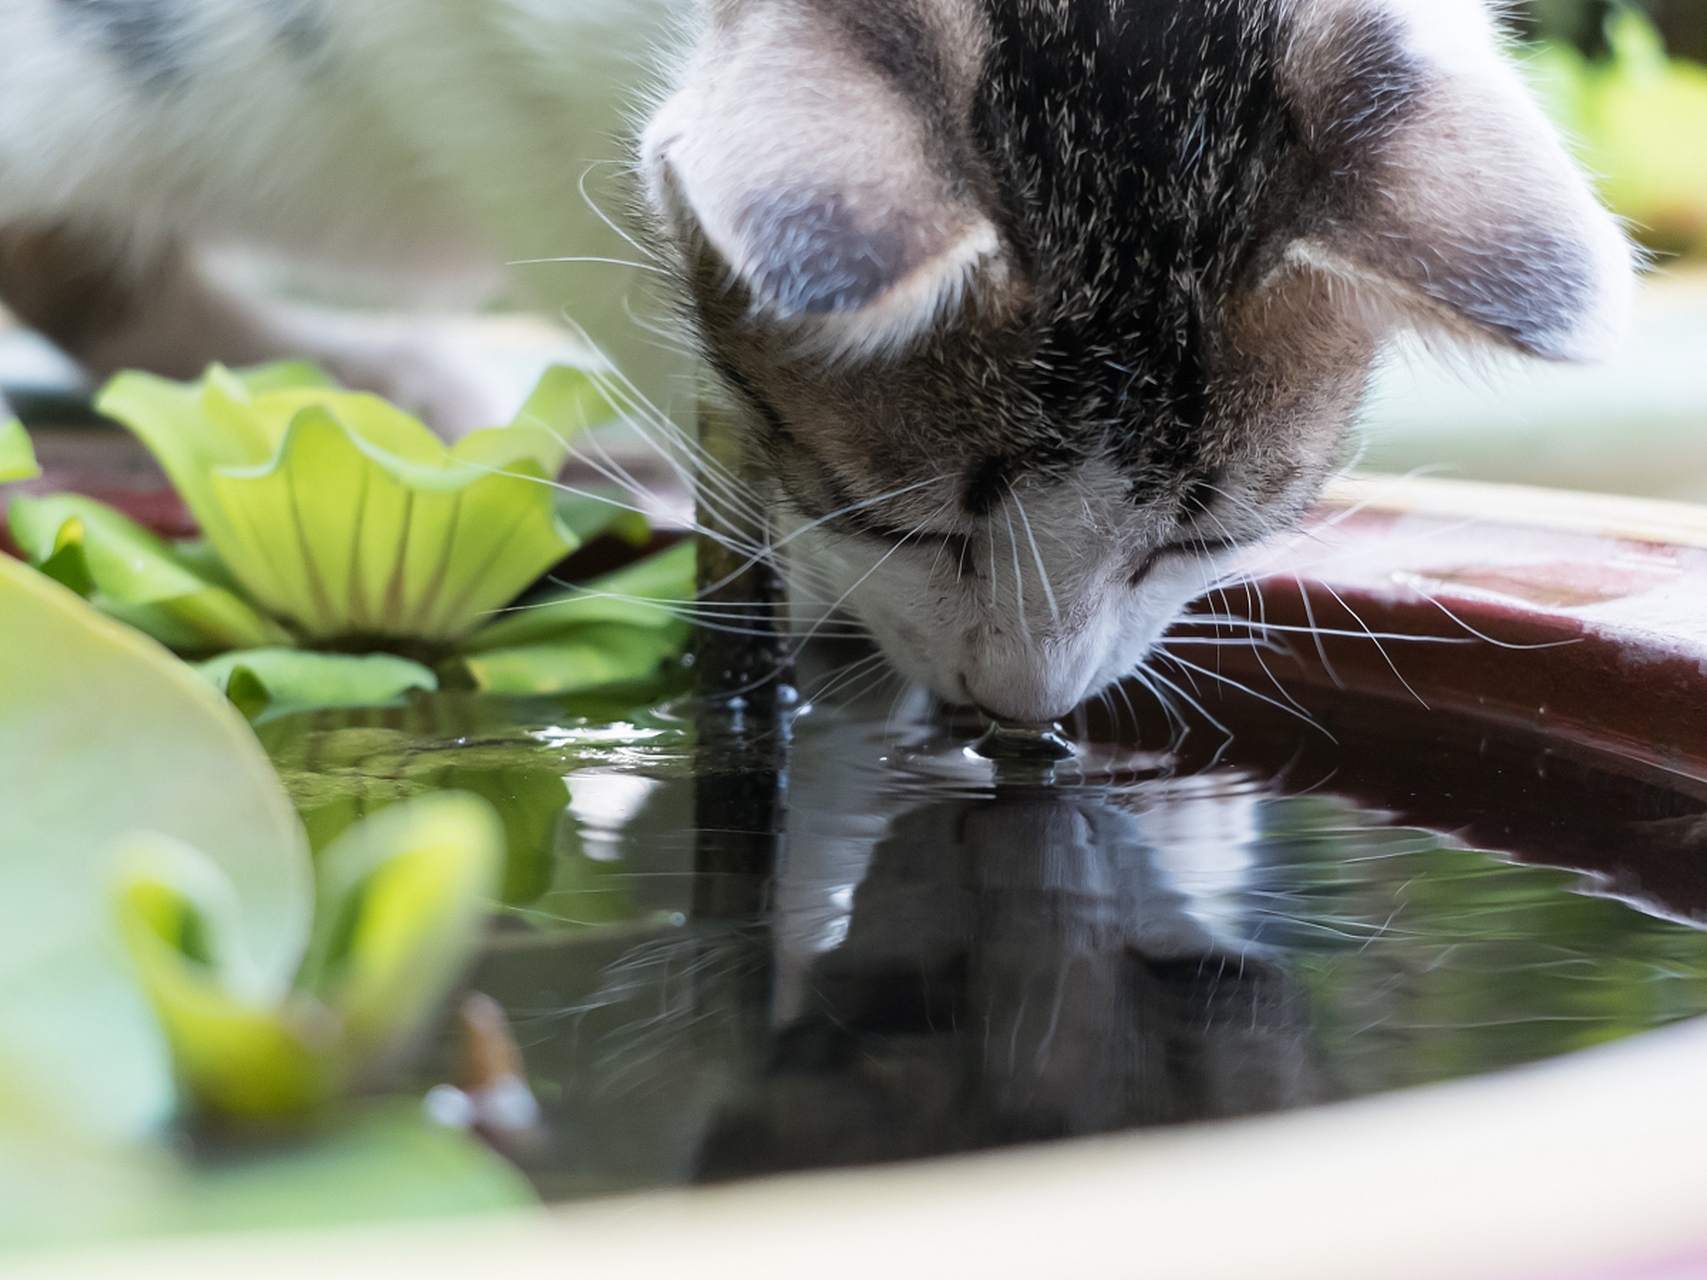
(1036, 308)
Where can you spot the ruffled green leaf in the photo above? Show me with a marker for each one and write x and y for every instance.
(17, 458)
(103, 733)
(346, 515)
(133, 576)
(278, 682)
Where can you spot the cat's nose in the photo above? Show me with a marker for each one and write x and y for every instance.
(1023, 704)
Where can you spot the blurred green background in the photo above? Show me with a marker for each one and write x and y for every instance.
(1583, 23)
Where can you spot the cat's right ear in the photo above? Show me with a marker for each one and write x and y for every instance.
(813, 154)
(1436, 192)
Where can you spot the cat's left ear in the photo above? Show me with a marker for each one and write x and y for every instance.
(813, 152)
(1437, 192)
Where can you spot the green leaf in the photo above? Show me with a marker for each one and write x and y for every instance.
(255, 1054)
(401, 898)
(188, 443)
(131, 575)
(387, 1164)
(283, 375)
(588, 515)
(348, 516)
(279, 682)
(595, 656)
(382, 1163)
(102, 734)
(17, 459)
(651, 593)
(566, 403)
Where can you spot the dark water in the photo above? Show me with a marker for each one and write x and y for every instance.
(948, 954)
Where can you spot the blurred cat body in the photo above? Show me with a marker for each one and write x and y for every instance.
(1033, 310)
(399, 153)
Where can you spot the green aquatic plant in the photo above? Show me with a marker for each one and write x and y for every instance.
(344, 516)
(165, 935)
(334, 522)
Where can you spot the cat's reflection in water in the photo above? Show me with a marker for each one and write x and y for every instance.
(1032, 966)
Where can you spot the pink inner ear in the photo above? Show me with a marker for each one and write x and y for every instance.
(818, 252)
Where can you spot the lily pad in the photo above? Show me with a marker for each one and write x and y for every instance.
(17, 458)
(267, 683)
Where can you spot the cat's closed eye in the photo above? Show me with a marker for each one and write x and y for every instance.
(1199, 548)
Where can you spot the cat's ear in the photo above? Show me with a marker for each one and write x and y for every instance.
(813, 156)
(1438, 190)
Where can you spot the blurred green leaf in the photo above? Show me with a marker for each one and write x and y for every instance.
(112, 749)
(17, 458)
(103, 733)
(387, 1163)
(277, 682)
(589, 515)
(133, 576)
(1638, 120)
(255, 1054)
(382, 1163)
(400, 899)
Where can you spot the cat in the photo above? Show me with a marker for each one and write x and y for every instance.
(1032, 311)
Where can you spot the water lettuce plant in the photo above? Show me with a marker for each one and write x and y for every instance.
(164, 933)
(334, 522)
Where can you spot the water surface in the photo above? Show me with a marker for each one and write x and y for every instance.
(905, 950)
